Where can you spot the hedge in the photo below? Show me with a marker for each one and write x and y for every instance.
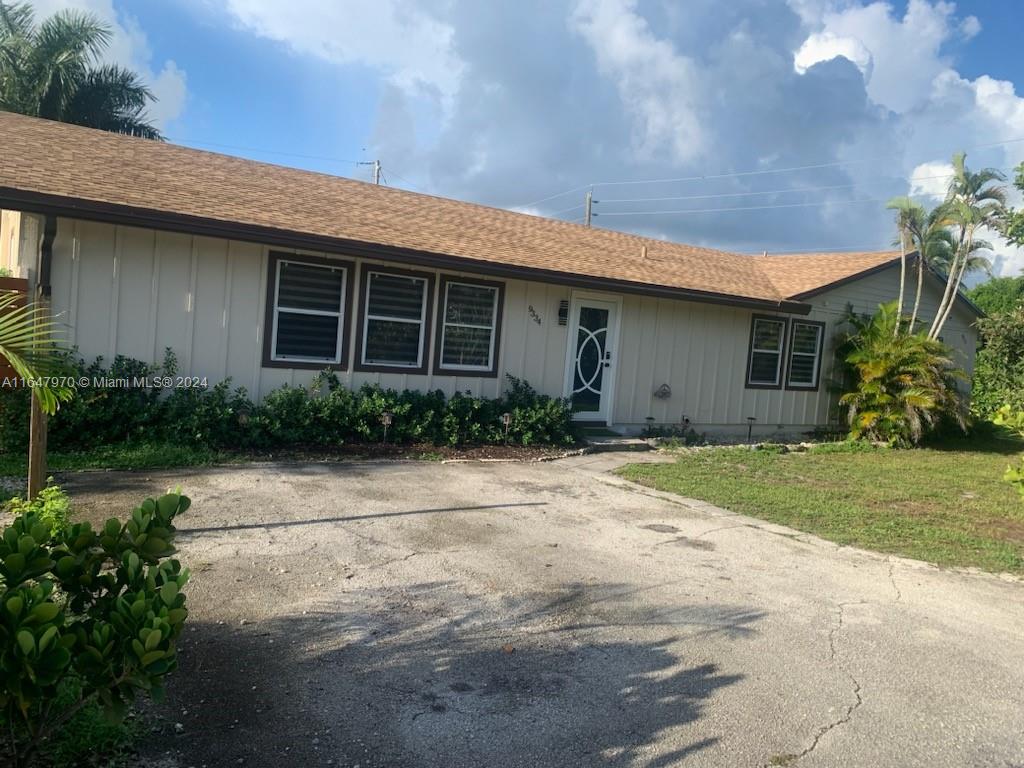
(325, 414)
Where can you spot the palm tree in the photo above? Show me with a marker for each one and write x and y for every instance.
(903, 383)
(975, 200)
(50, 70)
(26, 343)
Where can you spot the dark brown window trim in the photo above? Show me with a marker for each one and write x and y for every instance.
(439, 331)
(268, 320)
(357, 362)
(821, 356)
(782, 351)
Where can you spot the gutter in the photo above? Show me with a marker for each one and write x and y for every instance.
(77, 208)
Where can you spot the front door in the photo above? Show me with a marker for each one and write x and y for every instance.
(591, 357)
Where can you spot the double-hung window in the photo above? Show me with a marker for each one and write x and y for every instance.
(395, 307)
(307, 327)
(805, 345)
(767, 342)
(468, 326)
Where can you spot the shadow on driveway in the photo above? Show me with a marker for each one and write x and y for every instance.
(400, 679)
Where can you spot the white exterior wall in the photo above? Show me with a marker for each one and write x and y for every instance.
(700, 351)
(134, 292)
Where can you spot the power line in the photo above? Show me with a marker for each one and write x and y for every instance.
(751, 207)
(880, 180)
(738, 174)
(265, 151)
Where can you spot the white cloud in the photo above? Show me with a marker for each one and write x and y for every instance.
(656, 84)
(825, 46)
(129, 48)
(905, 52)
(399, 38)
(931, 180)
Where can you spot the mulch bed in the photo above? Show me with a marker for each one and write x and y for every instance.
(421, 451)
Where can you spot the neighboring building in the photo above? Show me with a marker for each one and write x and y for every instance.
(266, 274)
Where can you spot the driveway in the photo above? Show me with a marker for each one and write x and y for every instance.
(419, 614)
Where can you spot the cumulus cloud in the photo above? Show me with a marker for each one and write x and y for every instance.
(402, 39)
(539, 97)
(659, 86)
(129, 48)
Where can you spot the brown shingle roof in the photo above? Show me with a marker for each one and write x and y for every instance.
(79, 171)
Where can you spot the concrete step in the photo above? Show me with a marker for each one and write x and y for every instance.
(602, 443)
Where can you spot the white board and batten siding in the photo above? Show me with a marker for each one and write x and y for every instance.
(700, 351)
(135, 292)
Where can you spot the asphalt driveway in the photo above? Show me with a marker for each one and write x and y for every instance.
(420, 614)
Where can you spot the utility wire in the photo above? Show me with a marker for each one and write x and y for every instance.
(263, 151)
(749, 207)
(738, 174)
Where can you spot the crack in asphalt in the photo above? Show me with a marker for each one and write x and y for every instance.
(851, 708)
(892, 580)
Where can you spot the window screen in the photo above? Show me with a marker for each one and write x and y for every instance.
(396, 308)
(468, 326)
(804, 355)
(767, 337)
(308, 317)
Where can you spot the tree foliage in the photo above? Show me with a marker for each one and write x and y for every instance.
(102, 608)
(902, 384)
(1013, 226)
(51, 70)
(999, 365)
(998, 295)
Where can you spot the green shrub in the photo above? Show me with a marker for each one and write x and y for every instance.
(324, 415)
(999, 365)
(97, 612)
(52, 506)
(902, 385)
(1013, 420)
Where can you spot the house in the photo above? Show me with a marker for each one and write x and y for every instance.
(267, 274)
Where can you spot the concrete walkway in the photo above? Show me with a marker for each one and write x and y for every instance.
(416, 614)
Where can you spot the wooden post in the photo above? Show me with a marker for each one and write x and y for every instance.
(36, 449)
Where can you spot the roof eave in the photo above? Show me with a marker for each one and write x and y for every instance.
(92, 210)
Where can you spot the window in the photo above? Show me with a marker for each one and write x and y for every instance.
(394, 320)
(306, 308)
(767, 340)
(468, 326)
(805, 354)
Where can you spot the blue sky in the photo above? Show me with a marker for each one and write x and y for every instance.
(510, 103)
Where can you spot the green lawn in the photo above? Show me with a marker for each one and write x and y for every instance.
(127, 456)
(946, 505)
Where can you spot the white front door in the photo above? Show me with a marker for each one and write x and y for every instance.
(590, 358)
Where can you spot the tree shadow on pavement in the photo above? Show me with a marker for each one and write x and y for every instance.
(425, 677)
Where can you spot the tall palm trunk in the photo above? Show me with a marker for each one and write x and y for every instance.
(920, 285)
(954, 269)
(940, 319)
(903, 283)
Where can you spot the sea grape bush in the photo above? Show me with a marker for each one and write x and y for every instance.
(1013, 420)
(101, 609)
(325, 414)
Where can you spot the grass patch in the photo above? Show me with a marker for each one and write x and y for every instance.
(124, 456)
(944, 504)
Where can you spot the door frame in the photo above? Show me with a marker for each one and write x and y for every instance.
(577, 298)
